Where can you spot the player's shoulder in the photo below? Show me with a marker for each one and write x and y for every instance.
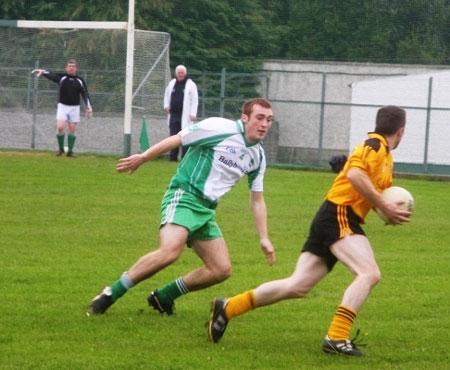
(373, 143)
(377, 142)
(219, 120)
(220, 124)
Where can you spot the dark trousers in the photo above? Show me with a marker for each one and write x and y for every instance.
(175, 128)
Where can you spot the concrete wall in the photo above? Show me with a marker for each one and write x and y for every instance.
(297, 89)
(101, 134)
(409, 91)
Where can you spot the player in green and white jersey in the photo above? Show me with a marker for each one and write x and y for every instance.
(220, 153)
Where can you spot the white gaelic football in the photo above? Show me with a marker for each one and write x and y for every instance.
(397, 194)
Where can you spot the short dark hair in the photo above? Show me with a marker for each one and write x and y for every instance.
(71, 61)
(247, 107)
(390, 119)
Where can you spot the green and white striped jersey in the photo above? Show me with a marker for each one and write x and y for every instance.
(218, 157)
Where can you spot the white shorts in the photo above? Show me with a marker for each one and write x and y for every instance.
(70, 113)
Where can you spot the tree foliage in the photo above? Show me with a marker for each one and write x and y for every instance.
(208, 35)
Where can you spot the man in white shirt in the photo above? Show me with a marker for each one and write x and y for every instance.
(180, 103)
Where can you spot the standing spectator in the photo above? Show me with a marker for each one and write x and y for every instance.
(180, 103)
(71, 87)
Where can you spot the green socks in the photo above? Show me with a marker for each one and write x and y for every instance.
(118, 290)
(168, 293)
(60, 138)
(121, 286)
(71, 139)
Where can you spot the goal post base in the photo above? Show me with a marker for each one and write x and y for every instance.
(126, 145)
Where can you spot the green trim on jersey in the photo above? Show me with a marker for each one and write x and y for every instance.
(196, 165)
(214, 140)
(254, 174)
(241, 127)
(218, 157)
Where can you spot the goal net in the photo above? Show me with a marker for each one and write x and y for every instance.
(28, 103)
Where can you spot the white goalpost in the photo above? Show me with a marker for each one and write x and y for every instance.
(123, 68)
(129, 80)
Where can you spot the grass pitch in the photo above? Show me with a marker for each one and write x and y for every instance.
(71, 226)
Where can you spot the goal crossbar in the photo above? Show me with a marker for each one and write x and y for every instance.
(64, 24)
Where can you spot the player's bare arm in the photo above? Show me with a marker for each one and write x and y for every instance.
(259, 210)
(133, 162)
(361, 182)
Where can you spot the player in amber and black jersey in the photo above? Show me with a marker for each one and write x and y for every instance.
(336, 235)
(71, 87)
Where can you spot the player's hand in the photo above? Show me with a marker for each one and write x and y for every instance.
(167, 110)
(193, 118)
(88, 112)
(394, 214)
(130, 164)
(38, 72)
(268, 250)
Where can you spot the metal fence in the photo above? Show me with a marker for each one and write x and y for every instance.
(222, 94)
(318, 114)
(27, 107)
(324, 113)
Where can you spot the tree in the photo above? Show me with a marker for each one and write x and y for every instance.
(212, 34)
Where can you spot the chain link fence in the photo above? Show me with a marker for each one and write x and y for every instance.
(321, 110)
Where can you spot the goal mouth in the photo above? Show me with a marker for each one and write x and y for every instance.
(100, 50)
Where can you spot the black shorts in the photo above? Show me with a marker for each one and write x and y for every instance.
(330, 224)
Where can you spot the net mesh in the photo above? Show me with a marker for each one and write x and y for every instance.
(28, 103)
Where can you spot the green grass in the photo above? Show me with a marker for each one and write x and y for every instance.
(68, 227)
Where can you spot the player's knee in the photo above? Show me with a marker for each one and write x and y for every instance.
(291, 287)
(373, 276)
(299, 293)
(168, 256)
(221, 273)
(296, 290)
(173, 255)
(377, 277)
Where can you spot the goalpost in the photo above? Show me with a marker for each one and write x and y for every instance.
(124, 68)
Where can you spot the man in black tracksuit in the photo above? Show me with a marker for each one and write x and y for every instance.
(71, 87)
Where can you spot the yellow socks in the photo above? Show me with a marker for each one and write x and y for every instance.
(240, 304)
(342, 323)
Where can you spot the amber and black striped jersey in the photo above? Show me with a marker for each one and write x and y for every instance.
(374, 159)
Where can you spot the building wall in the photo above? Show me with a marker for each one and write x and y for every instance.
(308, 94)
